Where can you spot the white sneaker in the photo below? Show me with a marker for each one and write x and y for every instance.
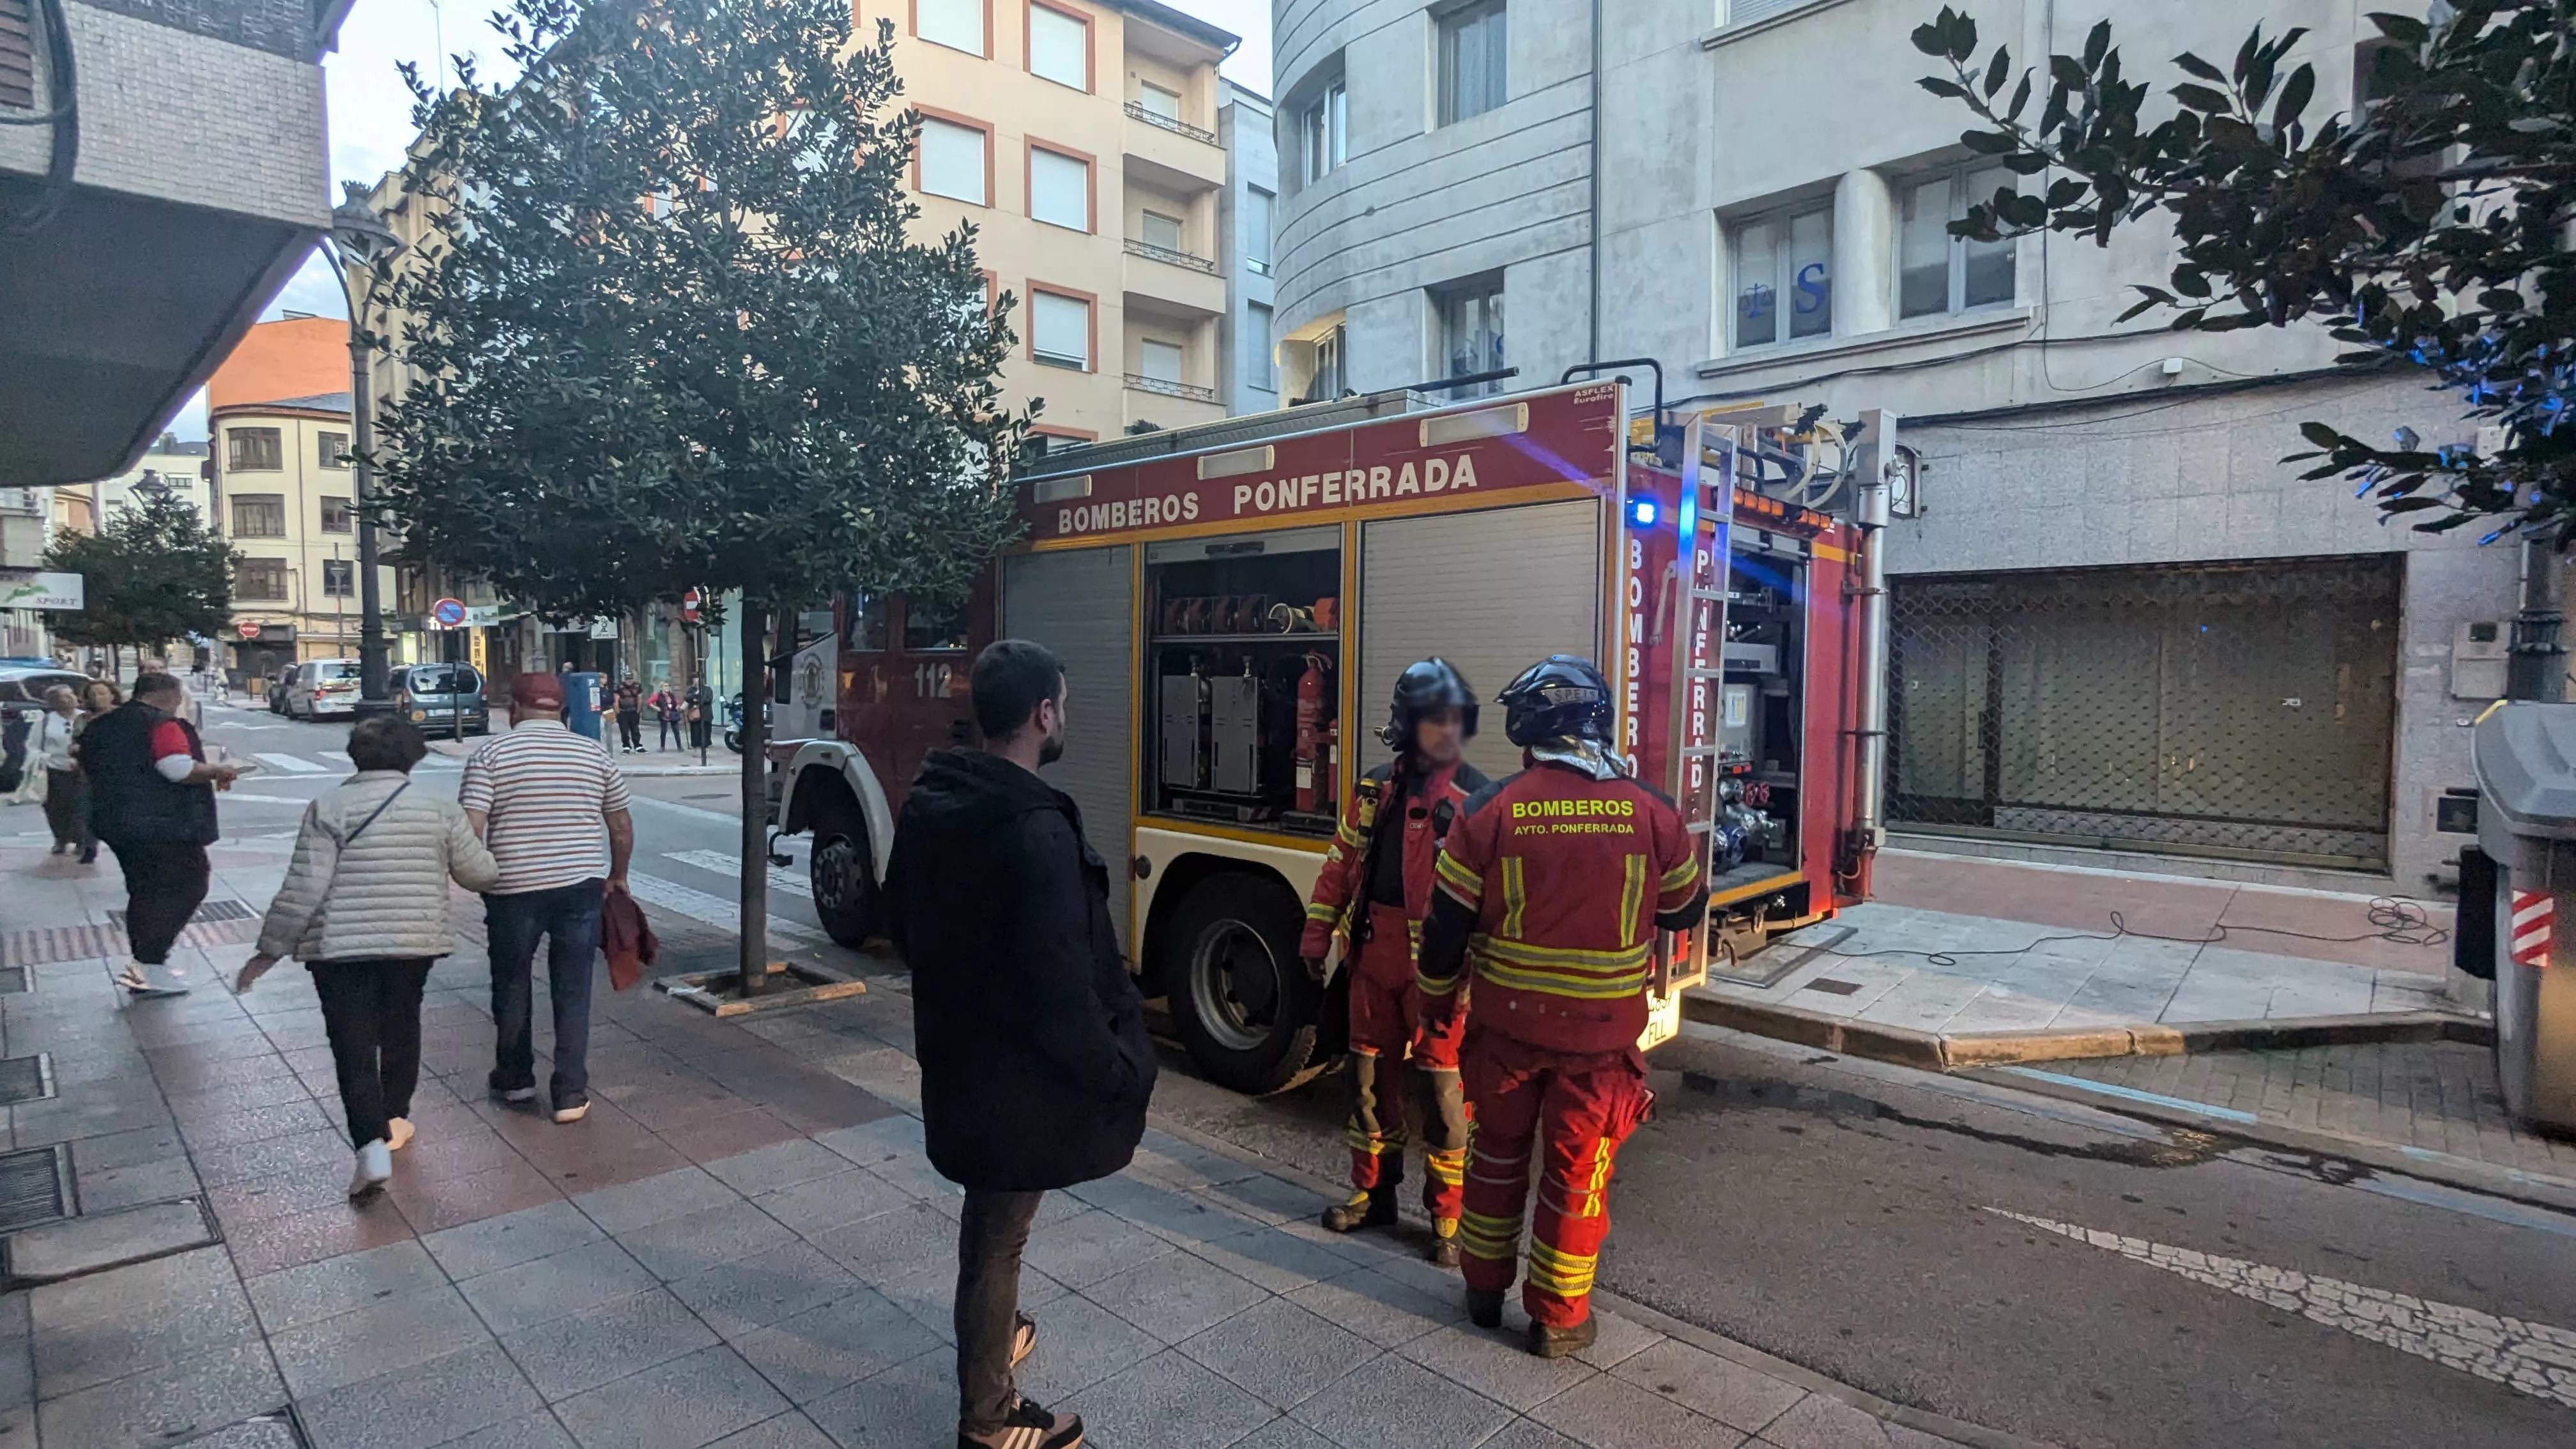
(375, 1165)
(397, 1134)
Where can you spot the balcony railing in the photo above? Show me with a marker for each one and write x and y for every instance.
(1172, 124)
(1153, 253)
(1192, 391)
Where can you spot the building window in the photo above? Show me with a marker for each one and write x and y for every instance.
(1059, 189)
(1938, 272)
(1059, 47)
(933, 628)
(1059, 329)
(1332, 365)
(953, 161)
(1744, 12)
(335, 514)
(1472, 49)
(331, 450)
(1256, 231)
(259, 515)
(1471, 333)
(957, 24)
(253, 450)
(1158, 102)
(1160, 361)
(339, 578)
(1322, 129)
(1163, 231)
(260, 580)
(1785, 263)
(1258, 365)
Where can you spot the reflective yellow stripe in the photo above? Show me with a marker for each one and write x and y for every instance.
(1632, 895)
(1429, 987)
(1449, 1169)
(1522, 953)
(1318, 911)
(1496, 1240)
(1375, 1144)
(1586, 988)
(1464, 883)
(1349, 836)
(1567, 1275)
(1588, 1205)
(1515, 896)
(1682, 874)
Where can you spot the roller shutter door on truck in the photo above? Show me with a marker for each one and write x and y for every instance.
(1492, 592)
(1080, 603)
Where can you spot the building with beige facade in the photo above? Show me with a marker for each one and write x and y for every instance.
(1080, 139)
(284, 495)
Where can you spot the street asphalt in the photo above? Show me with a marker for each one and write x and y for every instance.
(2002, 1258)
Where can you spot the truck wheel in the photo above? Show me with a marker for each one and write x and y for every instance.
(844, 877)
(1245, 1007)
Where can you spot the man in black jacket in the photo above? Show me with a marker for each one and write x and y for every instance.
(152, 799)
(1035, 1066)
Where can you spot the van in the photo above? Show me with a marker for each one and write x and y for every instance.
(443, 699)
(320, 688)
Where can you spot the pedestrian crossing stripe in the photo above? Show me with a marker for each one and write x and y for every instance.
(698, 905)
(291, 764)
(780, 877)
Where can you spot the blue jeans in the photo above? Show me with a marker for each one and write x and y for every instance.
(568, 917)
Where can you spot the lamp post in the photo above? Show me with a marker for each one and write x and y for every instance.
(360, 240)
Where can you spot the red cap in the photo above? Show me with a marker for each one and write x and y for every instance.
(537, 691)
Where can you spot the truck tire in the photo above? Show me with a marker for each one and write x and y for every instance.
(843, 874)
(1246, 1009)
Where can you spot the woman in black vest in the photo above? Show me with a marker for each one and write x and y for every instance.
(152, 799)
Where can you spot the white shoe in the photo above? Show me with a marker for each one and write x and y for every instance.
(375, 1165)
(397, 1134)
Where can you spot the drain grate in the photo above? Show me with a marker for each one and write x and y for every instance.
(26, 1079)
(207, 914)
(13, 980)
(1832, 987)
(35, 1186)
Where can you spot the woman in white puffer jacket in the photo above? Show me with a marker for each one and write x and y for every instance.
(364, 907)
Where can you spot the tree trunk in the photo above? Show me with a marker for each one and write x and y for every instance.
(755, 800)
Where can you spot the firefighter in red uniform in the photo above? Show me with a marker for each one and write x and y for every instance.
(1374, 889)
(1554, 885)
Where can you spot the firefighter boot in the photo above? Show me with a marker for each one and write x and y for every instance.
(1370, 1207)
(1444, 1243)
(1485, 1307)
(1549, 1342)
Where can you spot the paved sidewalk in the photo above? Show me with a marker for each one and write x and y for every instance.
(742, 1245)
(1965, 906)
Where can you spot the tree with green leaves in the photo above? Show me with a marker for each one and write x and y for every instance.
(152, 573)
(674, 329)
(2429, 226)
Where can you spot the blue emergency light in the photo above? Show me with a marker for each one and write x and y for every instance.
(1641, 512)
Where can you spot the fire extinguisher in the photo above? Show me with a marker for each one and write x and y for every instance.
(1310, 732)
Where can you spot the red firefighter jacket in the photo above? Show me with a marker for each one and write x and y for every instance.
(1427, 814)
(1553, 887)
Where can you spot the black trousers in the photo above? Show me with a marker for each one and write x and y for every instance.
(164, 885)
(670, 730)
(371, 1012)
(630, 729)
(990, 1234)
(67, 808)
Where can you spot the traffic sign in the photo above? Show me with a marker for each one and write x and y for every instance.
(448, 612)
(689, 603)
(248, 628)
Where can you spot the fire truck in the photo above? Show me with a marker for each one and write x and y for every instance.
(1232, 603)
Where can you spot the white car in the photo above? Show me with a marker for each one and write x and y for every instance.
(320, 688)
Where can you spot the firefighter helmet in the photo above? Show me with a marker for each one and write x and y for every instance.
(1561, 697)
(1431, 684)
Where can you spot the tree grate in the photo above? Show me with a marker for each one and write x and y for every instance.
(35, 1187)
(13, 980)
(26, 1079)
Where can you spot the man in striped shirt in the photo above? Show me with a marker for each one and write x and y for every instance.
(542, 797)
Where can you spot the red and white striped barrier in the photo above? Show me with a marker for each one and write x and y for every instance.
(2534, 915)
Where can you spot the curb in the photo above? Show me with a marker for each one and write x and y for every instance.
(1933, 1051)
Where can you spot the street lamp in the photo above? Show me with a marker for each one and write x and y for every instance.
(360, 240)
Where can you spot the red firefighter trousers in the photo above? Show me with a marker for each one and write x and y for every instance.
(1585, 1105)
(1386, 1024)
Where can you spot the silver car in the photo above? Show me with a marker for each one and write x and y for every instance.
(322, 687)
(443, 699)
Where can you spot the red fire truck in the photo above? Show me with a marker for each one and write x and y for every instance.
(1232, 603)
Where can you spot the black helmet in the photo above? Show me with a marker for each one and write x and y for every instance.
(1429, 685)
(1561, 697)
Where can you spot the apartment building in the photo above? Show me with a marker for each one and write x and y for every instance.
(2125, 629)
(1250, 359)
(285, 494)
(1080, 139)
(168, 466)
(162, 174)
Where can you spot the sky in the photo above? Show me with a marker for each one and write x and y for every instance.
(370, 109)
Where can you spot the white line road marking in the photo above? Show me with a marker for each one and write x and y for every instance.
(2535, 1358)
(244, 797)
(697, 905)
(292, 764)
(780, 878)
(225, 724)
(674, 807)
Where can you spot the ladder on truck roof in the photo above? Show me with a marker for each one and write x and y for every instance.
(1697, 746)
(1226, 432)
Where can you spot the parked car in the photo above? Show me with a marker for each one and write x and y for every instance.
(320, 688)
(23, 685)
(273, 689)
(443, 699)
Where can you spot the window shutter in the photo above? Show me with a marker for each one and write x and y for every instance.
(952, 161)
(17, 55)
(957, 24)
(1059, 190)
(1060, 328)
(1059, 48)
